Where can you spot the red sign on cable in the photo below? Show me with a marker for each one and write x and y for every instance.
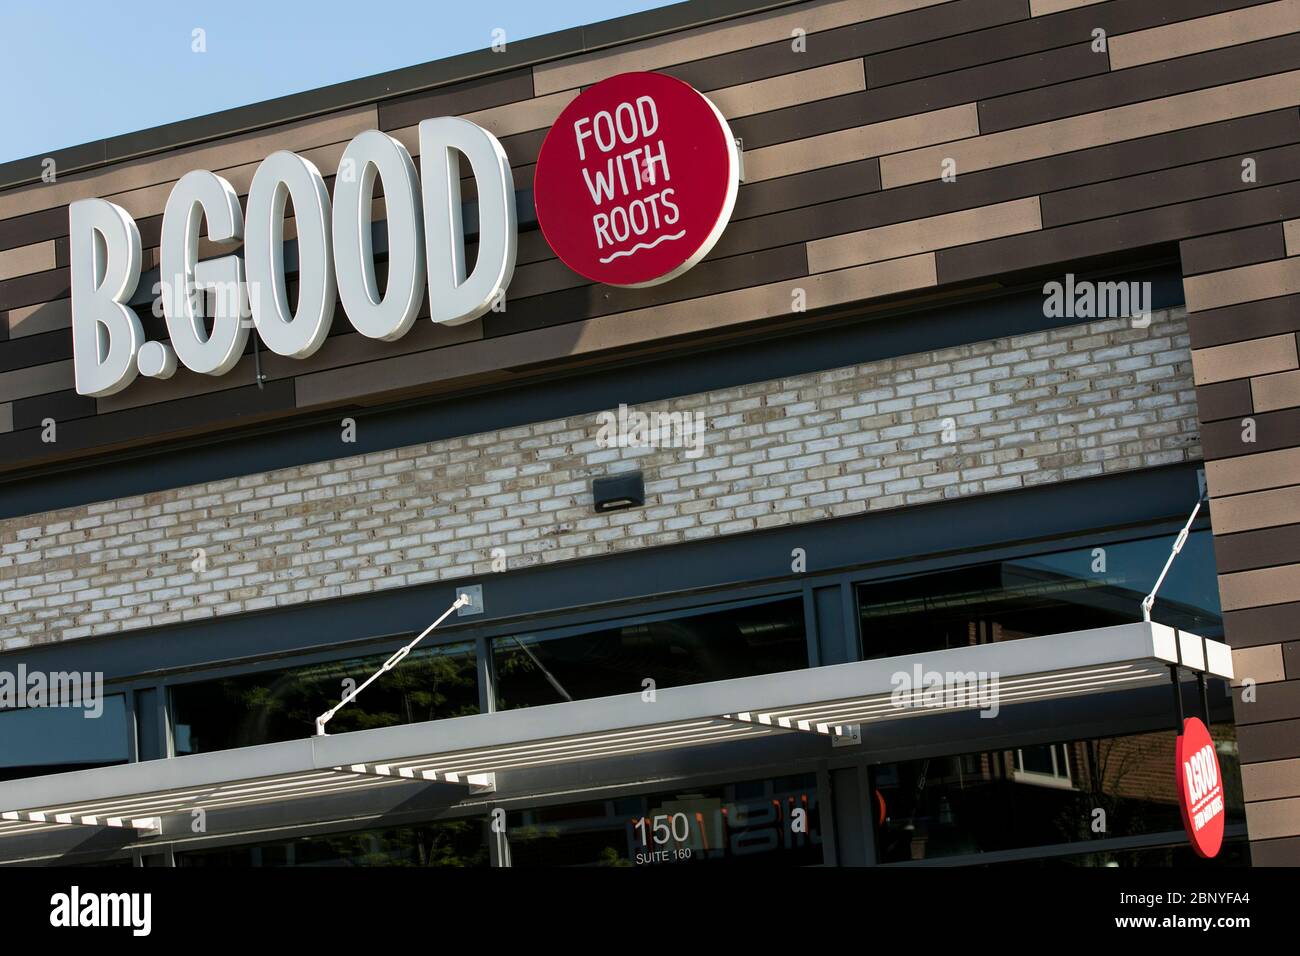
(1200, 788)
(636, 180)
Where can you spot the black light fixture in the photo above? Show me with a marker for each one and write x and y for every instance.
(615, 492)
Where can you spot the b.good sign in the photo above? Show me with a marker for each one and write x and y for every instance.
(1200, 788)
(635, 184)
(636, 180)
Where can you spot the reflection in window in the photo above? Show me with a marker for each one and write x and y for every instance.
(270, 706)
(1044, 594)
(35, 741)
(1039, 796)
(450, 843)
(743, 823)
(1047, 766)
(547, 668)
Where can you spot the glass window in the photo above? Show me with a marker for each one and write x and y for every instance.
(1043, 594)
(35, 741)
(757, 821)
(1038, 796)
(550, 668)
(270, 706)
(453, 843)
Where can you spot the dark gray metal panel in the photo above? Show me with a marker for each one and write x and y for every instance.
(830, 854)
(1272, 624)
(1246, 320)
(1228, 250)
(149, 739)
(811, 630)
(833, 646)
(1222, 400)
(853, 838)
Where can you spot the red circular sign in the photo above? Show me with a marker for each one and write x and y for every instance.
(636, 180)
(1200, 788)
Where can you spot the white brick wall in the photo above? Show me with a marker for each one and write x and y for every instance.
(1093, 398)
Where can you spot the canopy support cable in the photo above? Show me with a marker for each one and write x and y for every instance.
(323, 719)
(1149, 601)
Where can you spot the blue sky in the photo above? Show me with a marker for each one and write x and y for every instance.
(82, 70)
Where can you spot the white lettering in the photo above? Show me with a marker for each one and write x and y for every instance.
(283, 176)
(388, 316)
(203, 195)
(453, 297)
(105, 270)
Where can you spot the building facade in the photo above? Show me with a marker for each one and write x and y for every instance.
(1008, 287)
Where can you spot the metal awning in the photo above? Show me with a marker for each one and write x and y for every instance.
(469, 751)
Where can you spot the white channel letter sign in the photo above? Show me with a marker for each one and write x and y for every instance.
(426, 250)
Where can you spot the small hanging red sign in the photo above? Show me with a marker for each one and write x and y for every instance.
(1200, 788)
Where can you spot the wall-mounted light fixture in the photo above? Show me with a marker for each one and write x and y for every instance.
(615, 492)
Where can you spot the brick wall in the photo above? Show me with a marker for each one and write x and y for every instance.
(1052, 406)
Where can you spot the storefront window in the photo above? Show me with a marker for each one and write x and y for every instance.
(774, 822)
(452, 843)
(1043, 594)
(1039, 796)
(36, 741)
(550, 668)
(270, 706)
